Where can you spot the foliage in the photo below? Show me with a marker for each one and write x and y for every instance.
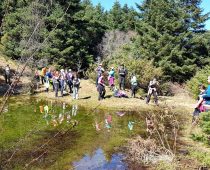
(121, 18)
(201, 156)
(144, 69)
(171, 34)
(166, 36)
(200, 78)
(70, 41)
(203, 136)
(205, 122)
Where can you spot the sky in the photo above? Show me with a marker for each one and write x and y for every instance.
(107, 4)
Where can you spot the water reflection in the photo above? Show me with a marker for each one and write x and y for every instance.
(74, 110)
(98, 162)
(65, 115)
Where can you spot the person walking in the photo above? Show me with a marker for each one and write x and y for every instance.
(48, 79)
(43, 73)
(111, 78)
(56, 82)
(122, 75)
(134, 85)
(62, 81)
(152, 90)
(69, 78)
(99, 71)
(76, 84)
(7, 74)
(101, 88)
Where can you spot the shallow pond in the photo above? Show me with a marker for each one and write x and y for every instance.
(37, 134)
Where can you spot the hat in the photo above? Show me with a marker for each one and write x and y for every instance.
(112, 67)
(208, 78)
(100, 64)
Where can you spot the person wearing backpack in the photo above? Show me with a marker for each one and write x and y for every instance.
(134, 85)
(101, 88)
(99, 71)
(56, 77)
(69, 78)
(76, 84)
(7, 74)
(111, 78)
(152, 90)
(122, 75)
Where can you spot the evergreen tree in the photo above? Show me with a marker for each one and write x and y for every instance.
(165, 37)
(129, 18)
(114, 18)
(194, 15)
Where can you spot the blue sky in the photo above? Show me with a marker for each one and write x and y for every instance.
(107, 4)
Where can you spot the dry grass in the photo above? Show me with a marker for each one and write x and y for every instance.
(88, 97)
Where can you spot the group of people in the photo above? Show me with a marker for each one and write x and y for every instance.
(203, 102)
(122, 74)
(59, 80)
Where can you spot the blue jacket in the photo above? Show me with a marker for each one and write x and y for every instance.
(206, 95)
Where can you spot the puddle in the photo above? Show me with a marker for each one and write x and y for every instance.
(38, 134)
(98, 161)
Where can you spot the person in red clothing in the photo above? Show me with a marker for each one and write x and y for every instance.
(101, 88)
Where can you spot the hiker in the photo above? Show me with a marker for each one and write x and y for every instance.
(76, 84)
(62, 81)
(48, 77)
(119, 93)
(122, 75)
(134, 85)
(69, 78)
(47, 84)
(7, 74)
(101, 88)
(56, 82)
(99, 71)
(43, 73)
(205, 97)
(111, 78)
(152, 90)
(198, 110)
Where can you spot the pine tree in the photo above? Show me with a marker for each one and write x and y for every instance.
(165, 37)
(114, 18)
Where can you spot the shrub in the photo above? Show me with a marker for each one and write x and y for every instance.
(200, 78)
(205, 122)
(144, 69)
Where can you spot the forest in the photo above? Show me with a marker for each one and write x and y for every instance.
(170, 35)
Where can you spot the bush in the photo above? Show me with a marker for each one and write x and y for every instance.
(205, 127)
(200, 78)
(144, 69)
(205, 122)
